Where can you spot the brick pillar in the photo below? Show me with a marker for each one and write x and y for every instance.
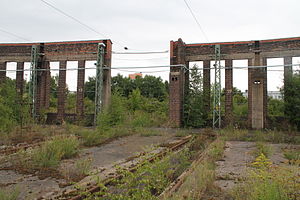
(257, 92)
(228, 92)
(107, 75)
(47, 84)
(176, 79)
(2, 73)
(20, 79)
(206, 86)
(61, 92)
(80, 90)
(288, 69)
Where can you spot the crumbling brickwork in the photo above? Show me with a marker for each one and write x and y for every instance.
(53, 52)
(256, 52)
(177, 79)
(228, 92)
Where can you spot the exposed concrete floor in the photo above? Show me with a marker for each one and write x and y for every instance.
(105, 156)
(233, 166)
(237, 159)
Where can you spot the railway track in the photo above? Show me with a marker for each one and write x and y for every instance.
(93, 188)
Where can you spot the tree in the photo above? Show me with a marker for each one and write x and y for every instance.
(194, 115)
(149, 86)
(292, 100)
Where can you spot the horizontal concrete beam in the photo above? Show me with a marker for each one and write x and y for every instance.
(245, 56)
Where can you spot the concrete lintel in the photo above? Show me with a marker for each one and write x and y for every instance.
(239, 56)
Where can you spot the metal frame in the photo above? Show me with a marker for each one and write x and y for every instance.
(99, 81)
(33, 79)
(217, 89)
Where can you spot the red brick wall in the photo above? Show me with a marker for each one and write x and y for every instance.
(228, 92)
(177, 81)
(58, 51)
(61, 95)
(80, 90)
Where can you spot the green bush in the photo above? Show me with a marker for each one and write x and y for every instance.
(91, 138)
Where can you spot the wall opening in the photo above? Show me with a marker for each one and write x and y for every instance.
(54, 73)
(89, 88)
(275, 84)
(11, 67)
(240, 91)
(296, 61)
(71, 86)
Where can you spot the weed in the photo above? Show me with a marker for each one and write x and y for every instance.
(263, 148)
(51, 152)
(202, 176)
(269, 183)
(9, 194)
(292, 155)
(147, 132)
(259, 136)
(91, 137)
(79, 170)
(182, 133)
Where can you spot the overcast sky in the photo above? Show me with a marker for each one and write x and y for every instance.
(149, 25)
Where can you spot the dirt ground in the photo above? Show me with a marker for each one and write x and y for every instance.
(102, 159)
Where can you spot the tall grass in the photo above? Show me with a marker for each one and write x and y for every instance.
(51, 152)
(273, 183)
(9, 194)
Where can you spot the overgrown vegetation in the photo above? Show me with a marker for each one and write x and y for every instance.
(203, 175)
(9, 194)
(194, 113)
(49, 154)
(13, 110)
(150, 178)
(259, 136)
(292, 100)
(267, 182)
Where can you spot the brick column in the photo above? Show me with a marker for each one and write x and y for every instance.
(2, 73)
(80, 90)
(47, 85)
(176, 79)
(206, 86)
(107, 75)
(20, 79)
(61, 95)
(228, 92)
(288, 69)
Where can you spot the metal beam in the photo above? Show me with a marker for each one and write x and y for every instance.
(99, 81)
(217, 89)
(33, 80)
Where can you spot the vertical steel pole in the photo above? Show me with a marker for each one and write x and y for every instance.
(217, 89)
(33, 79)
(99, 81)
